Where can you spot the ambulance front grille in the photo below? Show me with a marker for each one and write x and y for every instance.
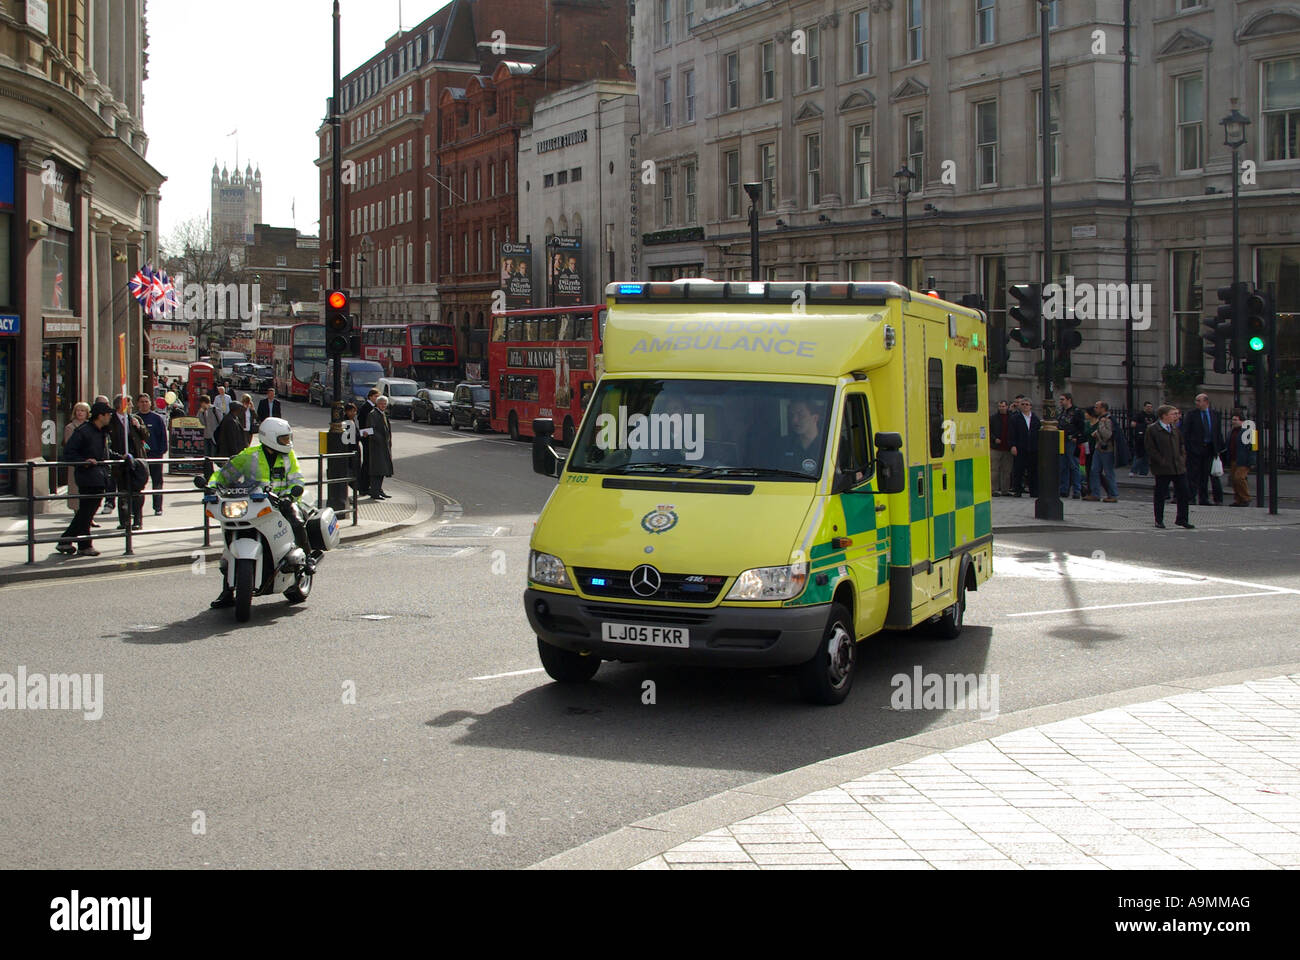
(674, 587)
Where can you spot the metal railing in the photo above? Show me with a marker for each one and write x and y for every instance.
(206, 464)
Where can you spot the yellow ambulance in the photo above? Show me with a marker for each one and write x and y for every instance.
(766, 474)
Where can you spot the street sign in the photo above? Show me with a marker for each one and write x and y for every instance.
(177, 346)
(10, 323)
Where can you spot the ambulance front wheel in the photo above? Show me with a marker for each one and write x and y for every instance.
(827, 678)
(565, 666)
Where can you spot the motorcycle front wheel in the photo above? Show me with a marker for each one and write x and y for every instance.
(245, 571)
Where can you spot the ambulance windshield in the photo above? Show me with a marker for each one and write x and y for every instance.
(697, 428)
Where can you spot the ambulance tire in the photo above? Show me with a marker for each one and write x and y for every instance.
(949, 624)
(245, 571)
(827, 678)
(565, 666)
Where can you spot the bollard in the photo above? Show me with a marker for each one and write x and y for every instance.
(1051, 444)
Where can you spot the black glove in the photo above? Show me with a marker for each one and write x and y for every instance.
(296, 491)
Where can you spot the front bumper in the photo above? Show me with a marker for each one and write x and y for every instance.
(719, 636)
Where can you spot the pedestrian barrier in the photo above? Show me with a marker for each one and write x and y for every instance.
(207, 464)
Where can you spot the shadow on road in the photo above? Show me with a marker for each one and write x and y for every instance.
(206, 623)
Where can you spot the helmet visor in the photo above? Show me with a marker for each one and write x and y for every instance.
(285, 439)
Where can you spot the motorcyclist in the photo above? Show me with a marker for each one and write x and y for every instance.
(270, 461)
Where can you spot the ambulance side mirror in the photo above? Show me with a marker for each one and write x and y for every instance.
(891, 471)
(545, 460)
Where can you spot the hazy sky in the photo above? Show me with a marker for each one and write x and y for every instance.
(261, 67)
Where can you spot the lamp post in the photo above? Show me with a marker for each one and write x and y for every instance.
(903, 184)
(753, 191)
(1234, 137)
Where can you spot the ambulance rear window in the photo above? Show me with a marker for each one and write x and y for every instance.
(968, 389)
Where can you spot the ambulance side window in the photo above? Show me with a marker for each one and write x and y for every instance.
(935, 385)
(855, 439)
(968, 389)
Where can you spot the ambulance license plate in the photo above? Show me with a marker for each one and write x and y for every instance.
(645, 635)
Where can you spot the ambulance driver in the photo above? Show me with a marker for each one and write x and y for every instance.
(803, 451)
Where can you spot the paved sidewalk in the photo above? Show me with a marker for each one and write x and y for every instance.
(1133, 512)
(161, 544)
(1208, 779)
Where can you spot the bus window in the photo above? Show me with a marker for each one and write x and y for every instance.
(498, 329)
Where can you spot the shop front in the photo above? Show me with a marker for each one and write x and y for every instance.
(10, 321)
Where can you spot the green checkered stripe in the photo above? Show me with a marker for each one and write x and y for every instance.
(962, 513)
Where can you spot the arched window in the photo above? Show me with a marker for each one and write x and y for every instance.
(577, 224)
(564, 226)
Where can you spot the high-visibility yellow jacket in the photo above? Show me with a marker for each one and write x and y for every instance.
(251, 465)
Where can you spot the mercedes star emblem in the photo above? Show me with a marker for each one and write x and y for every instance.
(645, 581)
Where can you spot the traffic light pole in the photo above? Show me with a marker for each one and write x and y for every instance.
(1236, 273)
(1044, 121)
(336, 220)
(1270, 320)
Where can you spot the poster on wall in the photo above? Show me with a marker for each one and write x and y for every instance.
(563, 274)
(516, 275)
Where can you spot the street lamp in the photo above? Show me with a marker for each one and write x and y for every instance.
(1234, 137)
(903, 184)
(753, 191)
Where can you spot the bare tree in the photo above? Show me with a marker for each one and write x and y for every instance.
(189, 255)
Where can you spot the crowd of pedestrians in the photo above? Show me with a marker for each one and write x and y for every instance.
(1187, 455)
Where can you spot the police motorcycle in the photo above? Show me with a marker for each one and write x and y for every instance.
(261, 554)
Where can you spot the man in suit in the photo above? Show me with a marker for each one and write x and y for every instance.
(1203, 436)
(270, 407)
(366, 408)
(379, 448)
(1024, 447)
(1167, 454)
(128, 436)
(1000, 449)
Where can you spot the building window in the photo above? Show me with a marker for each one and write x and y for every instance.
(688, 188)
(733, 81)
(813, 165)
(862, 162)
(505, 174)
(575, 175)
(1053, 14)
(401, 209)
(769, 70)
(666, 193)
(427, 208)
(562, 178)
(478, 250)
(1189, 4)
(862, 43)
(1280, 105)
(811, 273)
(548, 180)
(1054, 126)
(1186, 300)
(492, 179)
(1190, 93)
(428, 261)
(984, 25)
(986, 143)
(688, 14)
(915, 30)
(281, 261)
(464, 252)
(665, 101)
(281, 282)
(993, 288)
(688, 96)
(813, 59)
(767, 171)
(665, 22)
(916, 147)
(731, 177)
(478, 183)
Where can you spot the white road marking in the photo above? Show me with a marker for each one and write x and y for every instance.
(512, 673)
(1148, 603)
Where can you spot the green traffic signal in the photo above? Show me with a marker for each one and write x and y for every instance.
(1257, 344)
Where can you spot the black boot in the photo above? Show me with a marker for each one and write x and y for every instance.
(227, 599)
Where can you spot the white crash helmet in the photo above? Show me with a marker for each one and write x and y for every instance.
(276, 434)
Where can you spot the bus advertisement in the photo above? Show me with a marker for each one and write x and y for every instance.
(543, 363)
(298, 354)
(423, 352)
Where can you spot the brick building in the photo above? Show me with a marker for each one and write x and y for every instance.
(286, 265)
(400, 155)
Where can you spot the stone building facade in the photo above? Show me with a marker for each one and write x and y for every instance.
(78, 214)
(236, 206)
(823, 101)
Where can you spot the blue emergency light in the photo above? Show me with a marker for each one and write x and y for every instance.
(629, 288)
(597, 581)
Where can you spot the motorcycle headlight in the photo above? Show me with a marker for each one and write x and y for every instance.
(547, 569)
(770, 583)
(234, 509)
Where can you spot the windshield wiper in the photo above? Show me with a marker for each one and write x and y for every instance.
(652, 467)
(754, 472)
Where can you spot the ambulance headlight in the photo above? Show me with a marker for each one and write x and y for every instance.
(548, 570)
(234, 509)
(770, 583)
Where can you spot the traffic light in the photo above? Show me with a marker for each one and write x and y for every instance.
(1258, 326)
(998, 355)
(338, 324)
(1231, 317)
(1029, 314)
(1216, 336)
(1069, 337)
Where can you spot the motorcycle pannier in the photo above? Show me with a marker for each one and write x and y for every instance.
(323, 530)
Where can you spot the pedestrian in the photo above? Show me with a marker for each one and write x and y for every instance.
(1241, 457)
(1139, 425)
(157, 447)
(211, 420)
(229, 437)
(1086, 450)
(248, 421)
(1102, 471)
(1024, 448)
(128, 438)
(364, 410)
(1204, 439)
(221, 402)
(352, 444)
(269, 407)
(1000, 450)
(1167, 455)
(1069, 420)
(379, 448)
(110, 487)
(88, 448)
(80, 414)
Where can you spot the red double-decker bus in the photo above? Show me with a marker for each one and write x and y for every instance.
(298, 353)
(424, 352)
(265, 345)
(544, 363)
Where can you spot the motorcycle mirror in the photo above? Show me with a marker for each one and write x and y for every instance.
(201, 482)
